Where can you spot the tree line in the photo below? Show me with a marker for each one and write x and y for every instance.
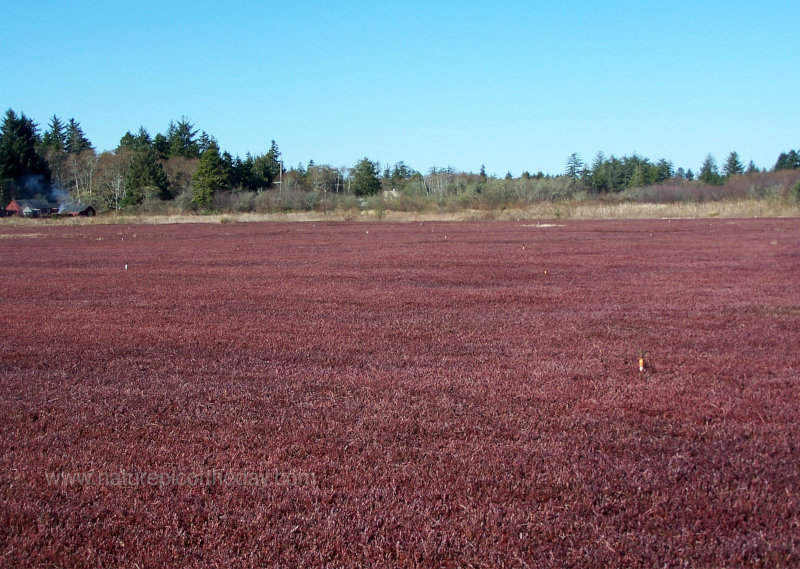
(61, 162)
(185, 165)
(617, 174)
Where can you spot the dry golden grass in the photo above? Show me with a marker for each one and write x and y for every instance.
(600, 210)
(539, 210)
(728, 209)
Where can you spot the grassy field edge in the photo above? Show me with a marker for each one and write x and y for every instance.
(541, 210)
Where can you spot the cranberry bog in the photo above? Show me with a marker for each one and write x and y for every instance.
(401, 395)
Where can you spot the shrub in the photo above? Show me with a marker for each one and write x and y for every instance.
(408, 201)
(295, 200)
(234, 201)
(184, 201)
(153, 205)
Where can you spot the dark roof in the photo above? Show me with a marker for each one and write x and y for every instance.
(36, 204)
(74, 208)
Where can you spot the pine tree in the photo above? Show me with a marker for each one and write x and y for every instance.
(365, 181)
(598, 175)
(55, 139)
(638, 178)
(732, 165)
(209, 178)
(76, 141)
(181, 139)
(23, 171)
(137, 142)
(242, 176)
(145, 178)
(54, 148)
(127, 141)
(664, 170)
(273, 162)
(708, 171)
(266, 169)
(574, 166)
(161, 145)
(788, 160)
(204, 142)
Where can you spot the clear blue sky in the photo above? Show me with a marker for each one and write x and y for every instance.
(512, 85)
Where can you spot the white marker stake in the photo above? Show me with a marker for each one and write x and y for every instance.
(126, 267)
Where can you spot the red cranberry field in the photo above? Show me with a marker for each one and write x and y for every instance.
(401, 395)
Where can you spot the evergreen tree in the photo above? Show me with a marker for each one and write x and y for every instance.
(664, 170)
(229, 165)
(574, 166)
(637, 171)
(54, 147)
(181, 139)
(204, 142)
(617, 173)
(76, 139)
(732, 165)
(401, 172)
(145, 178)
(127, 141)
(55, 139)
(788, 160)
(639, 177)
(261, 172)
(139, 141)
(598, 174)
(241, 175)
(365, 181)
(273, 163)
(266, 168)
(751, 168)
(23, 171)
(209, 178)
(161, 145)
(708, 171)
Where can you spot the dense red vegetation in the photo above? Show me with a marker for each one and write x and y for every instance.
(463, 394)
